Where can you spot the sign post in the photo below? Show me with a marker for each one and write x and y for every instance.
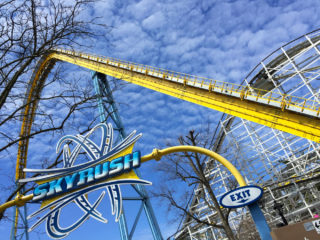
(248, 196)
(260, 221)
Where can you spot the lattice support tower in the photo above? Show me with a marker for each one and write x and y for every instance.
(108, 107)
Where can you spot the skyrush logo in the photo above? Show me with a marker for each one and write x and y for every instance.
(87, 176)
(72, 183)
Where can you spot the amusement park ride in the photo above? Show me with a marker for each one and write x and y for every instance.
(256, 101)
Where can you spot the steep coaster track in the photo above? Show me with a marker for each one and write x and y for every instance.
(295, 115)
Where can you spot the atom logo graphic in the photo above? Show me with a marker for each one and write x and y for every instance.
(108, 168)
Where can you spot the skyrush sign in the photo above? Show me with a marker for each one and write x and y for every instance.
(108, 168)
(88, 176)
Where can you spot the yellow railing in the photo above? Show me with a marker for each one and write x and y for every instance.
(298, 104)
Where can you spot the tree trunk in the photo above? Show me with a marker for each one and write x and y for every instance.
(224, 221)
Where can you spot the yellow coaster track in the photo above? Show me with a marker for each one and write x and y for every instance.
(290, 114)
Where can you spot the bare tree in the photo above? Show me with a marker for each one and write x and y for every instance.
(189, 173)
(29, 29)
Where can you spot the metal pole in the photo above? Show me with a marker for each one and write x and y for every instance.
(16, 213)
(260, 221)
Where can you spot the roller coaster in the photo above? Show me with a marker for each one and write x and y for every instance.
(255, 101)
(285, 165)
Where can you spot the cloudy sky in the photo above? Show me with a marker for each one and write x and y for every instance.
(222, 40)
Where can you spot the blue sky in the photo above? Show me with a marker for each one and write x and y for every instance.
(222, 40)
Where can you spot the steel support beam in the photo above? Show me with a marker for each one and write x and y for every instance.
(107, 107)
(19, 213)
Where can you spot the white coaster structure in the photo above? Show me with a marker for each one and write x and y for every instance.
(286, 166)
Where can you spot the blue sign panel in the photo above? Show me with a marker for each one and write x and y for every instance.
(241, 196)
